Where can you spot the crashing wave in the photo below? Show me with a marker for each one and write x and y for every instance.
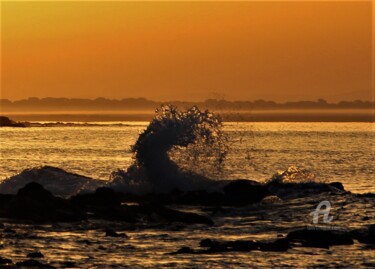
(173, 129)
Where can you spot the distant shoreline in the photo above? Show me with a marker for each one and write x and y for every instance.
(334, 115)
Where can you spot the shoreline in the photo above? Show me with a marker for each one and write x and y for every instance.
(227, 116)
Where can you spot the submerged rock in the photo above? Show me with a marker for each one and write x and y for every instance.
(365, 236)
(184, 250)
(302, 189)
(102, 197)
(171, 215)
(34, 203)
(33, 264)
(276, 245)
(244, 192)
(218, 246)
(5, 261)
(112, 233)
(320, 238)
(337, 185)
(36, 254)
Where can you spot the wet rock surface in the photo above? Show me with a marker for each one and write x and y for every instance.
(34, 203)
(320, 238)
(119, 230)
(36, 254)
(33, 264)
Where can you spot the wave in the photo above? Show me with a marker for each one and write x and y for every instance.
(193, 132)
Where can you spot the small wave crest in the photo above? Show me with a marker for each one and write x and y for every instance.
(294, 174)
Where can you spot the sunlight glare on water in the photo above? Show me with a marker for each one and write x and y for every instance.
(332, 151)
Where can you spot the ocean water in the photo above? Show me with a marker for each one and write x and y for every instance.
(329, 151)
(325, 151)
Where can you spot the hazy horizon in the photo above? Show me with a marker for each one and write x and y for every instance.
(216, 98)
(282, 51)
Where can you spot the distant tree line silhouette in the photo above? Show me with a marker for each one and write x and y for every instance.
(72, 104)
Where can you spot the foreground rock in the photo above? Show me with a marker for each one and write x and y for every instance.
(209, 246)
(244, 192)
(36, 254)
(33, 264)
(112, 233)
(229, 193)
(313, 238)
(36, 204)
(365, 236)
(320, 238)
(106, 204)
(5, 261)
(297, 190)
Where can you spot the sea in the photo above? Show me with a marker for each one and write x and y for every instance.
(330, 151)
(325, 151)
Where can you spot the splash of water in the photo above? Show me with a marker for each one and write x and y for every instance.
(173, 144)
(294, 174)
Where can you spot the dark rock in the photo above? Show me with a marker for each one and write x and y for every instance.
(243, 245)
(5, 261)
(103, 197)
(36, 254)
(34, 190)
(112, 233)
(365, 236)
(68, 264)
(33, 264)
(35, 203)
(225, 246)
(107, 196)
(9, 231)
(120, 213)
(337, 185)
(207, 242)
(366, 195)
(371, 230)
(277, 245)
(215, 246)
(320, 238)
(201, 197)
(184, 250)
(292, 190)
(6, 122)
(172, 215)
(244, 192)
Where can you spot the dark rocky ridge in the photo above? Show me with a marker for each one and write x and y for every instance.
(311, 238)
(34, 203)
(6, 122)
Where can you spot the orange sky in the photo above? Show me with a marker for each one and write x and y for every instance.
(187, 50)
